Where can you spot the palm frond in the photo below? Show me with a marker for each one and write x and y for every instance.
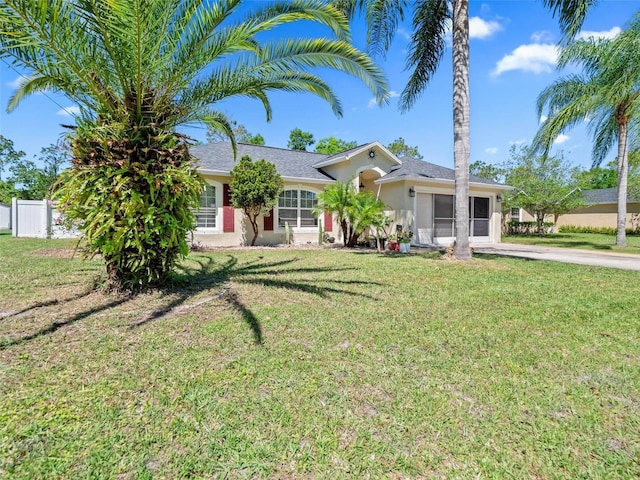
(286, 55)
(605, 136)
(571, 15)
(382, 17)
(426, 48)
(218, 121)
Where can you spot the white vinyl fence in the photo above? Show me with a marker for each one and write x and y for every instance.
(5, 216)
(39, 219)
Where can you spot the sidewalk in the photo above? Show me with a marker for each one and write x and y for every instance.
(566, 255)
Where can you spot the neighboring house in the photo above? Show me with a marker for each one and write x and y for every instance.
(601, 210)
(419, 195)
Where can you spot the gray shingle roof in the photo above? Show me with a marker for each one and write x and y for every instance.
(298, 164)
(289, 163)
(412, 168)
(604, 195)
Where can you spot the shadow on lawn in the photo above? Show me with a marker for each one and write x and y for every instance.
(202, 274)
(207, 275)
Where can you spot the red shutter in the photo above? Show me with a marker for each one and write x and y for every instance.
(268, 221)
(328, 222)
(228, 212)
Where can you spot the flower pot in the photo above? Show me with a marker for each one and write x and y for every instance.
(393, 245)
(405, 247)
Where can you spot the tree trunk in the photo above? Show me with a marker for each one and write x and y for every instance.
(623, 171)
(254, 224)
(462, 250)
(345, 233)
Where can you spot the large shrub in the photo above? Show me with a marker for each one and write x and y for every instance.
(134, 210)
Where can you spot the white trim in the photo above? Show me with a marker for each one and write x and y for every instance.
(218, 228)
(442, 181)
(220, 173)
(358, 151)
(276, 210)
(309, 180)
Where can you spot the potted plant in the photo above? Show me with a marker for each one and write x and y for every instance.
(404, 239)
(392, 242)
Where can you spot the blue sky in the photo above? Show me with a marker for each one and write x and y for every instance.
(513, 52)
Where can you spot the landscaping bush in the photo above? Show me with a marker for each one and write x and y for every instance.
(601, 230)
(526, 228)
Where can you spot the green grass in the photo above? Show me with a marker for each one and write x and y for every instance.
(293, 363)
(588, 241)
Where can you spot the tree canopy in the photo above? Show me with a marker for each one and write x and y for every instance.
(299, 140)
(400, 148)
(331, 145)
(543, 185)
(27, 180)
(255, 187)
(488, 171)
(240, 132)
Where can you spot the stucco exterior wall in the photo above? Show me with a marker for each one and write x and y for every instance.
(243, 232)
(400, 205)
(345, 171)
(604, 215)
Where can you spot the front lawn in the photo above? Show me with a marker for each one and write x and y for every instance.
(294, 363)
(588, 241)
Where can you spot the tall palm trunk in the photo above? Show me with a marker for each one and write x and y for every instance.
(462, 250)
(623, 171)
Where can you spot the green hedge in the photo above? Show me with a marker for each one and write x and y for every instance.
(526, 228)
(602, 230)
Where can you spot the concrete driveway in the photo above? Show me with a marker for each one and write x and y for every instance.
(566, 255)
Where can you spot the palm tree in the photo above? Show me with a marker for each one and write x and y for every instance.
(138, 69)
(430, 22)
(365, 211)
(337, 198)
(606, 94)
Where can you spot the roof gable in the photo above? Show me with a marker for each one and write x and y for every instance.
(375, 147)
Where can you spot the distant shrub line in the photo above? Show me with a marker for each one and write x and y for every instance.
(602, 230)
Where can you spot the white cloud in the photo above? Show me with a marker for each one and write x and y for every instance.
(543, 36)
(517, 142)
(543, 118)
(491, 150)
(533, 58)
(15, 84)
(372, 103)
(479, 28)
(404, 33)
(560, 139)
(69, 111)
(609, 34)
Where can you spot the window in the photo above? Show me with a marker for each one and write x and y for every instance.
(207, 215)
(295, 207)
(443, 215)
(515, 214)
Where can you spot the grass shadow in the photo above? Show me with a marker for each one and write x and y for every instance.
(55, 326)
(47, 303)
(201, 274)
(211, 275)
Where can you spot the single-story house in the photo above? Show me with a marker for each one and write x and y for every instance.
(419, 195)
(601, 210)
